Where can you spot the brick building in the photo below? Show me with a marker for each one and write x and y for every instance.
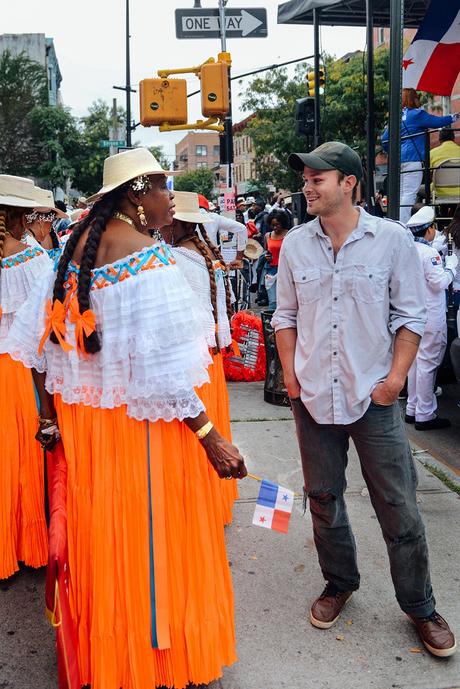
(197, 149)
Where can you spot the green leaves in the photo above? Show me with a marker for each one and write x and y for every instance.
(201, 181)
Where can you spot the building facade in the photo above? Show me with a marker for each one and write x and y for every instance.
(243, 157)
(197, 149)
(40, 49)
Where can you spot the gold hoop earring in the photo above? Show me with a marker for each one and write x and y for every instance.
(141, 214)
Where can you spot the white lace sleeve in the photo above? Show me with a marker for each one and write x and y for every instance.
(20, 274)
(153, 352)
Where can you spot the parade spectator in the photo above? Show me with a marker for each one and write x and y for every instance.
(279, 223)
(453, 231)
(448, 149)
(260, 218)
(348, 323)
(414, 121)
(421, 402)
(63, 222)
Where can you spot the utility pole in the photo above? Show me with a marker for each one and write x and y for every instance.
(127, 88)
(317, 130)
(370, 120)
(394, 121)
(228, 120)
(113, 132)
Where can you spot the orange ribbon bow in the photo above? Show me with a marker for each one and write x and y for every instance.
(85, 323)
(55, 321)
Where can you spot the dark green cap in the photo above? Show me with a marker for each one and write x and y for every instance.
(333, 155)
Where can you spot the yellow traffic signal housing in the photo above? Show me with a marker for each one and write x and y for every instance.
(214, 89)
(163, 100)
(311, 81)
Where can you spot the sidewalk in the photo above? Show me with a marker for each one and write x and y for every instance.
(277, 576)
(373, 646)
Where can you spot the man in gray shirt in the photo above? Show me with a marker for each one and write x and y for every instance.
(349, 320)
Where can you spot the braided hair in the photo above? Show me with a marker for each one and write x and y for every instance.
(96, 221)
(3, 215)
(218, 256)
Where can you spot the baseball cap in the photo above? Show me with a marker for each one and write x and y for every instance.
(421, 220)
(332, 155)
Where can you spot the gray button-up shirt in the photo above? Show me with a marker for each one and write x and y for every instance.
(347, 311)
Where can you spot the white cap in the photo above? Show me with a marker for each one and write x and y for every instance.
(425, 216)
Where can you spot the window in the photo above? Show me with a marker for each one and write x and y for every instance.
(201, 150)
(381, 36)
(216, 151)
(201, 163)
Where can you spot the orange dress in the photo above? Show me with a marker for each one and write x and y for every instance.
(213, 394)
(149, 584)
(23, 532)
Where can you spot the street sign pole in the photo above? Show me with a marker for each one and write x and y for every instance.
(128, 81)
(228, 120)
(317, 131)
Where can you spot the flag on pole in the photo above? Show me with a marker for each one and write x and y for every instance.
(432, 61)
(274, 506)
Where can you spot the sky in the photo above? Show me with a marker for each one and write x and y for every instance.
(89, 38)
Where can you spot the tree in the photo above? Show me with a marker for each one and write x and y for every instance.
(159, 154)
(58, 143)
(343, 112)
(94, 127)
(23, 86)
(201, 181)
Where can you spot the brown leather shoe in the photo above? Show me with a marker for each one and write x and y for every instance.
(435, 634)
(326, 609)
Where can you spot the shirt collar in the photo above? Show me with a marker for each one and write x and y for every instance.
(366, 224)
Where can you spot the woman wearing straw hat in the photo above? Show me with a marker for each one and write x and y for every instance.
(23, 533)
(150, 590)
(204, 268)
(40, 224)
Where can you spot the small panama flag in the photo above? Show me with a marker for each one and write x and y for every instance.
(273, 507)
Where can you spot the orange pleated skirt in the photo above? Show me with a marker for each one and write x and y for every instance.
(141, 499)
(23, 531)
(214, 396)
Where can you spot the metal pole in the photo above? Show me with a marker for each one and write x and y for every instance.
(317, 130)
(370, 129)
(427, 171)
(394, 121)
(128, 81)
(228, 124)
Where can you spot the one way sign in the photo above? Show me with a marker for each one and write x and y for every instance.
(205, 23)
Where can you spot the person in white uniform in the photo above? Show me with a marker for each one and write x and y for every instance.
(421, 402)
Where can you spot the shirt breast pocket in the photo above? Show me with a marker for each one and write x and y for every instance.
(307, 285)
(370, 283)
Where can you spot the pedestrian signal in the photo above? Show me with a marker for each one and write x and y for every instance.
(214, 89)
(311, 81)
(163, 100)
(305, 117)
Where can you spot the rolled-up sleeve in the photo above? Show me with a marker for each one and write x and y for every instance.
(407, 289)
(285, 315)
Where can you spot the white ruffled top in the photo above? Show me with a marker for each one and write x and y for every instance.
(193, 266)
(20, 273)
(152, 351)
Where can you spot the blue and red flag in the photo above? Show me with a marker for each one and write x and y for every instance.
(432, 61)
(273, 507)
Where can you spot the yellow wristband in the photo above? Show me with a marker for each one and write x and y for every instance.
(204, 430)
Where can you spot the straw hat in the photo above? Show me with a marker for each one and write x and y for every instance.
(17, 191)
(45, 200)
(253, 250)
(122, 167)
(188, 208)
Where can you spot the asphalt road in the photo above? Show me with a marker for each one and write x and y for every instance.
(444, 445)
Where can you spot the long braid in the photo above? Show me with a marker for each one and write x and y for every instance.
(2, 233)
(106, 207)
(218, 256)
(99, 211)
(54, 238)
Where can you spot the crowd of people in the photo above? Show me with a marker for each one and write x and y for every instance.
(112, 328)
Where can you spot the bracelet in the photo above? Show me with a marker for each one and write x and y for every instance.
(204, 430)
(48, 422)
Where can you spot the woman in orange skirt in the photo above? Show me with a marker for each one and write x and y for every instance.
(23, 533)
(203, 266)
(149, 589)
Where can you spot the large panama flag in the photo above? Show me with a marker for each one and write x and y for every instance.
(432, 61)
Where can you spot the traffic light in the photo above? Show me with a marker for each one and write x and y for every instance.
(311, 81)
(163, 100)
(214, 89)
(305, 116)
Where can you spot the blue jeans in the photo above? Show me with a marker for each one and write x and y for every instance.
(271, 291)
(388, 469)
